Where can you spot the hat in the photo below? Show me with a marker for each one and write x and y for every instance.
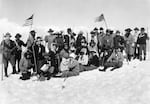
(117, 31)
(136, 28)
(50, 30)
(95, 29)
(101, 28)
(111, 31)
(142, 28)
(39, 38)
(69, 29)
(7, 34)
(128, 30)
(92, 32)
(108, 31)
(18, 35)
(32, 31)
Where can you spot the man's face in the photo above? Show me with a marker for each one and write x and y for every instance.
(117, 33)
(33, 34)
(136, 31)
(101, 31)
(38, 42)
(142, 31)
(50, 33)
(7, 38)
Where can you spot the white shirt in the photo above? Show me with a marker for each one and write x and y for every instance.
(83, 59)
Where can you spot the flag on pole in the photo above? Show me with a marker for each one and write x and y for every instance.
(29, 21)
(100, 18)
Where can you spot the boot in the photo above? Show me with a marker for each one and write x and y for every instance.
(140, 58)
(103, 70)
(6, 75)
(14, 70)
(144, 58)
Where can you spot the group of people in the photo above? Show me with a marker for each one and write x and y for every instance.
(71, 53)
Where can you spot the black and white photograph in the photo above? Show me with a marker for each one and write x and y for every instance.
(74, 51)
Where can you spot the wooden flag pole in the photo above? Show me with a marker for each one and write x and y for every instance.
(106, 24)
(2, 59)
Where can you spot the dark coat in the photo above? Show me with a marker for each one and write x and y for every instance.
(107, 42)
(119, 42)
(8, 48)
(39, 53)
(19, 44)
(142, 37)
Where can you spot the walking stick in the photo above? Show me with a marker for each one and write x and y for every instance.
(34, 57)
(2, 59)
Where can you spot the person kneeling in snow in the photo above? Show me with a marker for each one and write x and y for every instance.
(25, 65)
(115, 60)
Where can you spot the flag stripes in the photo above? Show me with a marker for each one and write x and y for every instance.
(28, 21)
(99, 18)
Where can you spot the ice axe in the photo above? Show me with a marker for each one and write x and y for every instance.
(63, 85)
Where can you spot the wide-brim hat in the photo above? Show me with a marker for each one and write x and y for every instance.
(32, 31)
(117, 31)
(18, 35)
(101, 28)
(92, 32)
(95, 29)
(39, 38)
(7, 34)
(136, 28)
(50, 31)
(128, 30)
(108, 31)
(142, 28)
(69, 29)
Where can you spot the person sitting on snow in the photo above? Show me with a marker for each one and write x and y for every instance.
(25, 65)
(50, 67)
(69, 66)
(93, 62)
(83, 56)
(115, 60)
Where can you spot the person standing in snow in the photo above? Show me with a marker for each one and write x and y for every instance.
(119, 41)
(18, 53)
(99, 39)
(31, 40)
(136, 49)
(8, 47)
(141, 43)
(129, 44)
(49, 39)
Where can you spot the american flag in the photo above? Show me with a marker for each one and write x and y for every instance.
(100, 18)
(29, 21)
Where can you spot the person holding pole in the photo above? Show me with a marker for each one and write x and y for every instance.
(30, 44)
(9, 48)
(18, 53)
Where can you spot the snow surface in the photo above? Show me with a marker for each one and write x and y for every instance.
(127, 85)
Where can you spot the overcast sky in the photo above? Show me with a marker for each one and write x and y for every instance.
(119, 14)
